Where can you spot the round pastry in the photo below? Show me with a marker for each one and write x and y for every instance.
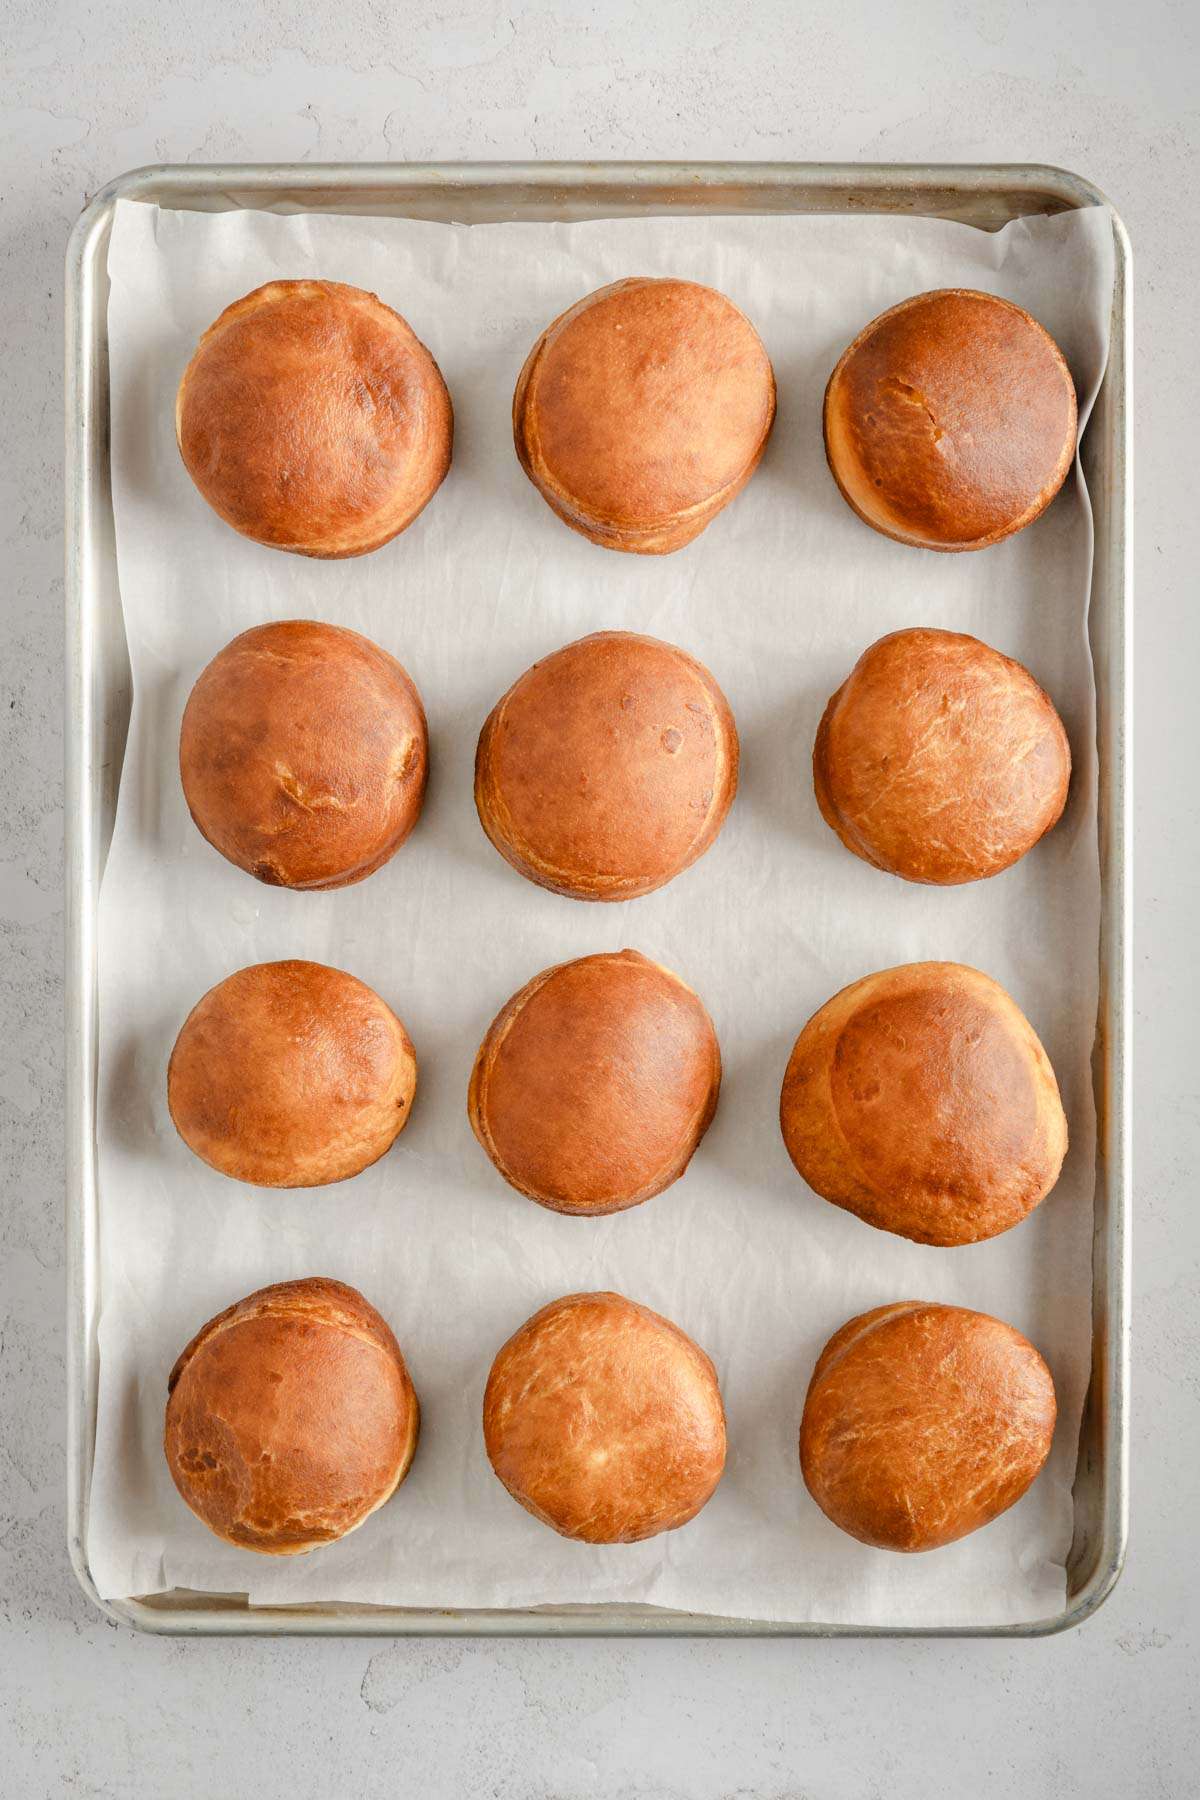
(608, 767)
(311, 418)
(604, 1420)
(291, 1074)
(950, 420)
(303, 754)
(642, 411)
(595, 1084)
(290, 1417)
(924, 1422)
(940, 760)
(921, 1100)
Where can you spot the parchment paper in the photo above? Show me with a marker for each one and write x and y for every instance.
(778, 598)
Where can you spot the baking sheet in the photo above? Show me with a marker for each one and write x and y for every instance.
(779, 596)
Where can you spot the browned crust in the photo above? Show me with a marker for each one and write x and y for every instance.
(243, 1468)
(496, 820)
(921, 1100)
(658, 536)
(916, 795)
(229, 739)
(291, 1075)
(890, 528)
(923, 1423)
(604, 1420)
(825, 805)
(304, 434)
(688, 1136)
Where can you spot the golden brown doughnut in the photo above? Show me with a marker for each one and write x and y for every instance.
(939, 759)
(595, 1083)
(604, 1420)
(311, 418)
(642, 411)
(290, 1417)
(303, 754)
(950, 420)
(924, 1422)
(608, 767)
(921, 1100)
(291, 1074)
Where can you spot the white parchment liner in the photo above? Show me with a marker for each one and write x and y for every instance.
(778, 598)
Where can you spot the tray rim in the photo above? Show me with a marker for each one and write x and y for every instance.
(856, 186)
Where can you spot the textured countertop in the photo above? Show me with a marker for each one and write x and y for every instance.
(88, 1709)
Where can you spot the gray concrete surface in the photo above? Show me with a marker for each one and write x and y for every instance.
(86, 92)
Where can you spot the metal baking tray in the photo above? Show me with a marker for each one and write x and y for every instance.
(97, 715)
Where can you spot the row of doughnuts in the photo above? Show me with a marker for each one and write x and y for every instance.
(291, 1417)
(312, 419)
(918, 1098)
(609, 766)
